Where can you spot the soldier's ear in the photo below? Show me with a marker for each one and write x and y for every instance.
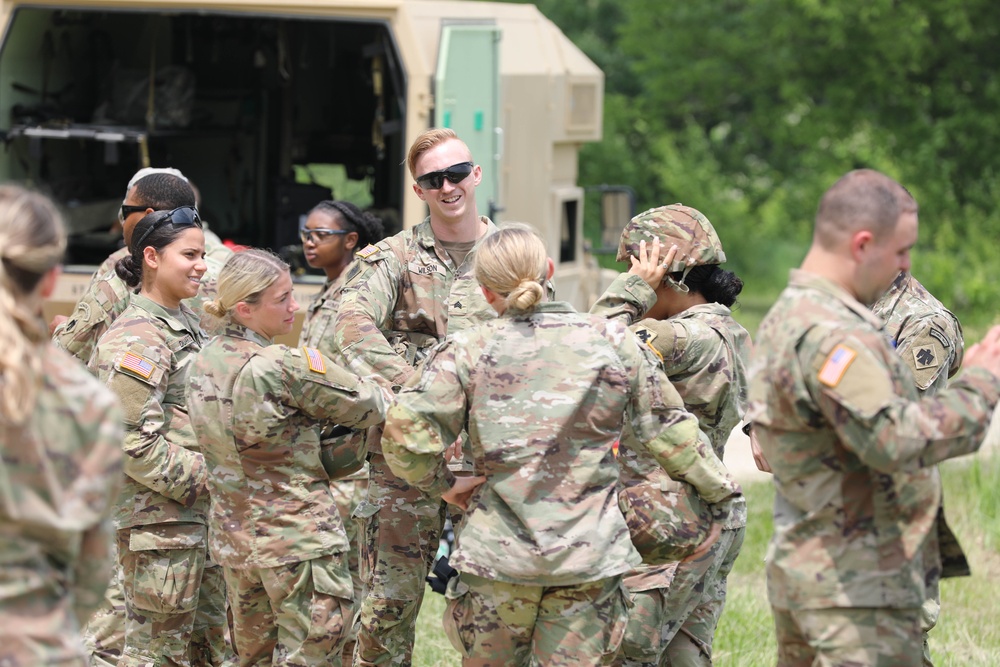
(861, 242)
(242, 310)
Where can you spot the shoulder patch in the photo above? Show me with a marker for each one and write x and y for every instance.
(367, 251)
(137, 365)
(646, 336)
(315, 360)
(655, 351)
(940, 337)
(925, 356)
(836, 365)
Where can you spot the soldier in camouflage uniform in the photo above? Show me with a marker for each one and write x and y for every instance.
(174, 596)
(259, 412)
(929, 339)
(60, 458)
(544, 392)
(406, 293)
(851, 444)
(333, 232)
(704, 351)
(107, 295)
(105, 299)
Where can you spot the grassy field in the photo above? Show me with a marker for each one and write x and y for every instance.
(967, 635)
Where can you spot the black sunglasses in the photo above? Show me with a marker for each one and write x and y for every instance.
(318, 236)
(184, 216)
(456, 173)
(127, 209)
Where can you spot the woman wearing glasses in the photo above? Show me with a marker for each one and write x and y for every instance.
(60, 456)
(174, 598)
(544, 392)
(333, 232)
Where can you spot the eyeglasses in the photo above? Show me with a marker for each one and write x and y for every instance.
(456, 173)
(126, 210)
(184, 216)
(318, 236)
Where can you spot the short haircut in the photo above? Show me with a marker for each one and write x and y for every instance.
(163, 192)
(863, 199)
(425, 142)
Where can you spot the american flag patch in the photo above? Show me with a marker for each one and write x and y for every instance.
(315, 360)
(836, 365)
(139, 365)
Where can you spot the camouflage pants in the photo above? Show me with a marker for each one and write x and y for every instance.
(348, 494)
(848, 637)
(676, 626)
(400, 533)
(296, 615)
(174, 600)
(104, 634)
(493, 623)
(929, 614)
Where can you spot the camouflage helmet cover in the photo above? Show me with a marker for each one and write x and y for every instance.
(676, 224)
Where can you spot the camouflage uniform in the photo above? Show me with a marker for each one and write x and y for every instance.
(348, 492)
(160, 514)
(704, 351)
(258, 411)
(60, 473)
(544, 540)
(403, 296)
(107, 296)
(929, 338)
(852, 448)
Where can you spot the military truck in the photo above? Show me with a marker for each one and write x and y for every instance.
(270, 106)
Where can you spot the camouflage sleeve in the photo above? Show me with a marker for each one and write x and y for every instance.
(855, 392)
(933, 347)
(424, 420)
(669, 339)
(305, 379)
(628, 298)
(365, 312)
(139, 374)
(94, 313)
(95, 489)
(669, 432)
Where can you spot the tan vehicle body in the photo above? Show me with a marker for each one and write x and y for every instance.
(281, 86)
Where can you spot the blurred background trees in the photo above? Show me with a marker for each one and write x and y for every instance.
(749, 109)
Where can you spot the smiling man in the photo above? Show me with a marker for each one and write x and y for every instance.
(851, 443)
(408, 292)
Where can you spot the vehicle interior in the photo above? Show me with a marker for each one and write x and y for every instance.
(267, 115)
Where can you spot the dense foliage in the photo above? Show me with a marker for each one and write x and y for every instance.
(750, 109)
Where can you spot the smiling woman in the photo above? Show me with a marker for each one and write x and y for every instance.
(160, 514)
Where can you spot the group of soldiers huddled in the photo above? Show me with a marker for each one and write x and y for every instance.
(205, 496)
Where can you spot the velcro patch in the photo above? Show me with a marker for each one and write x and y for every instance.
(367, 251)
(645, 335)
(136, 365)
(836, 365)
(315, 360)
(925, 356)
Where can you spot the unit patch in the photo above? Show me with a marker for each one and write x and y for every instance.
(925, 357)
(940, 337)
(315, 359)
(836, 365)
(645, 335)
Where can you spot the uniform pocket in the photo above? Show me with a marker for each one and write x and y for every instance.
(331, 609)
(617, 622)
(458, 617)
(366, 514)
(167, 563)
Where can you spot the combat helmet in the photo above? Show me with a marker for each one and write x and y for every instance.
(676, 224)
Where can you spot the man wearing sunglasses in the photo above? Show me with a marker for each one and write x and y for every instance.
(408, 292)
(106, 295)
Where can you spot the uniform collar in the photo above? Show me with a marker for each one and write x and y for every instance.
(805, 280)
(181, 320)
(237, 330)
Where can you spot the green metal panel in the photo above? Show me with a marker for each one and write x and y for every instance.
(467, 99)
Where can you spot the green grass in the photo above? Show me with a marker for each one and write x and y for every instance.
(966, 636)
